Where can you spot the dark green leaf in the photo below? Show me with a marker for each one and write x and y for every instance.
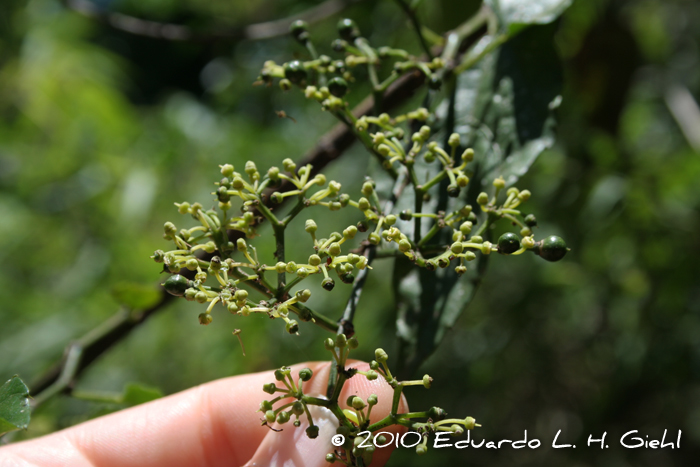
(504, 110)
(429, 305)
(14, 405)
(505, 105)
(135, 394)
(514, 15)
(135, 295)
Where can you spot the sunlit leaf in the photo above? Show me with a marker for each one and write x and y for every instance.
(514, 15)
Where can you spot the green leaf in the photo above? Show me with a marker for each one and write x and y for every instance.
(14, 405)
(135, 295)
(504, 109)
(505, 105)
(135, 394)
(429, 304)
(514, 15)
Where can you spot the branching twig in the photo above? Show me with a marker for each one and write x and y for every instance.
(176, 32)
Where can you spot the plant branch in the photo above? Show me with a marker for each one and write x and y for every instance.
(177, 32)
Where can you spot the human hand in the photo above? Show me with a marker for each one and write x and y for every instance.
(215, 424)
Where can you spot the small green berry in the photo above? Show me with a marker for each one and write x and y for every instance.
(338, 87)
(330, 458)
(295, 72)
(328, 284)
(552, 248)
(299, 30)
(297, 408)
(508, 243)
(176, 285)
(530, 220)
(348, 30)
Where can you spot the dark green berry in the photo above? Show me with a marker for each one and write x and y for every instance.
(452, 191)
(348, 30)
(312, 431)
(436, 414)
(362, 226)
(530, 220)
(299, 30)
(434, 82)
(508, 243)
(176, 285)
(552, 248)
(295, 72)
(338, 87)
(328, 284)
(347, 278)
(406, 215)
(339, 45)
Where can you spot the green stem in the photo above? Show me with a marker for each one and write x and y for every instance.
(416, 25)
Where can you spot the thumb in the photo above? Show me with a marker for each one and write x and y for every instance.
(292, 448)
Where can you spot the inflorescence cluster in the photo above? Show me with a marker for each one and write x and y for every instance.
(360, 435)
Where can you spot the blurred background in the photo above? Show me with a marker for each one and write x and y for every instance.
(101, 130)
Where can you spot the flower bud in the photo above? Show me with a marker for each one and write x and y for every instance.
(303, 295)
(283, 417)
(227, 170)
(524, 195)
(525, 231)
(390, 220)
(460, 270)
(456, 248)
(292, 267)
(341, 340)
(201, 297)
(328, 284)
(530, 220)
(499, 183)
(270, 416)
(305, 374)
(265, 405)
(374, 238)
(292, 327)
(372, 399)
(358, 403)
(381, 356)
(270, 388)
(350, 232)
(353, 343)
(482, 199)
(205, 319)
(334, 249)
(404, 245)
(310, 226)
(363, 204)
(427, 381)
(371, 376)
(462, 180)
(329, 344)
(453, 141)
(469, 423)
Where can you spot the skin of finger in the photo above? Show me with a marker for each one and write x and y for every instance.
(215, 424)
(291, 447)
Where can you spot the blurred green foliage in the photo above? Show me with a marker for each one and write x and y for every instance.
(101, 131)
